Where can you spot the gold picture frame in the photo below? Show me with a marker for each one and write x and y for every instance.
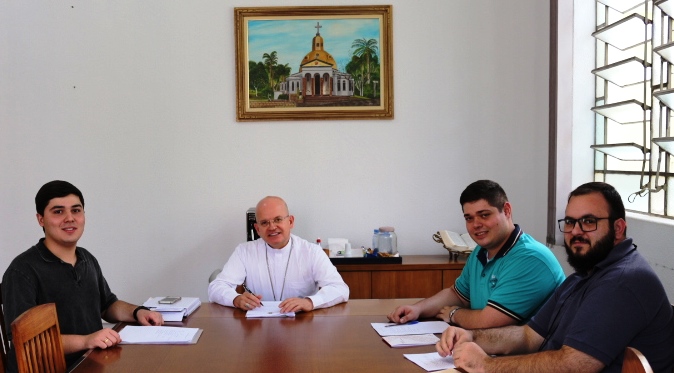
(346, 73)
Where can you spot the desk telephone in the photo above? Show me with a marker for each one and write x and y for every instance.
(455, 241)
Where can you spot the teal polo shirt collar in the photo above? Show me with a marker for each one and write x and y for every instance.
(505, 249)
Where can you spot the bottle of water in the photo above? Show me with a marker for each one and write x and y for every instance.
(375, 241)
(388, 241)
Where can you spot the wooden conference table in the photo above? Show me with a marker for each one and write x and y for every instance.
(336, 339)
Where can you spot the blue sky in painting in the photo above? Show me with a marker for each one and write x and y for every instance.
(291, 39)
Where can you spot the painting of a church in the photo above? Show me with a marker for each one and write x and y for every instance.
(319, 79)
(345, 74)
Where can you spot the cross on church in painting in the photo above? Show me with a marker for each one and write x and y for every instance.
(318, 26)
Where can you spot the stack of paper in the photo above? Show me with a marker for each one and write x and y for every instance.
(159, 335)
(176, 311)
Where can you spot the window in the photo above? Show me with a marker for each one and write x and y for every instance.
(634, 98)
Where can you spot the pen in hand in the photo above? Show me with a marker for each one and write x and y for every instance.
(248, 290)
(408, 323)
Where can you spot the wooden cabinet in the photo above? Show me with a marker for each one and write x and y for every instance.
(419, 276)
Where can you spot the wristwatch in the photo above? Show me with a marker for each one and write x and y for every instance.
(135, 312)
(451, 316)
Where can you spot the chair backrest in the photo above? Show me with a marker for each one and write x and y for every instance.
(36, 337)
(214, 275)
(635, 362)
(239, 288)
(4, 341)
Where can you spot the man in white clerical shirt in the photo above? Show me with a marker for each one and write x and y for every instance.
(278, 266)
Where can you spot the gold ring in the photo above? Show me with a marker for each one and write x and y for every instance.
(106, 340)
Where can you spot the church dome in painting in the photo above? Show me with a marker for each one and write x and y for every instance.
(318, 56)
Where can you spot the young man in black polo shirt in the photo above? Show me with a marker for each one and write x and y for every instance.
(56, 271)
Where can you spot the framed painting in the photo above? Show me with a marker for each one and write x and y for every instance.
(314, 63)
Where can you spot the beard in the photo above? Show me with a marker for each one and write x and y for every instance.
(583, 263)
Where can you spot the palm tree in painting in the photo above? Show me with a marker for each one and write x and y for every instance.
(365, 48)
(282, 72)
(270, 61)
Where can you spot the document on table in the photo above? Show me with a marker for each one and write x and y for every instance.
(269, 309)
(424, 327)
(411, 340)
(431, 361)
(175, 311)
(132, 334)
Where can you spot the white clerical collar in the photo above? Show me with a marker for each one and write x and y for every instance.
(281, 250)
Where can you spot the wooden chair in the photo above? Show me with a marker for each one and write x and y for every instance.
(4, 342)
(36, 337)
(635, 362)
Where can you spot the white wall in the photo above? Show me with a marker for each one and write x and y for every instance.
(134, 102)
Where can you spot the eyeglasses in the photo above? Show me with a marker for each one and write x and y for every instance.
(276, 221)
(588, 224)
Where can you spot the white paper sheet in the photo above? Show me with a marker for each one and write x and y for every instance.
(270, 309)
(411, 340)
(132, 334)
(424, 327)
(431, 361)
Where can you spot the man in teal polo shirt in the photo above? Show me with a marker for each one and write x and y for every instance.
(506, 279)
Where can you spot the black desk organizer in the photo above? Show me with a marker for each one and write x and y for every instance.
(367, 260)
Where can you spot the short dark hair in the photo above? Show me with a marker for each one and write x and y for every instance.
(55, 189)
(612, 197)
(487, 190)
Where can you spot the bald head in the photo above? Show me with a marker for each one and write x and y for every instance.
(270, 201)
